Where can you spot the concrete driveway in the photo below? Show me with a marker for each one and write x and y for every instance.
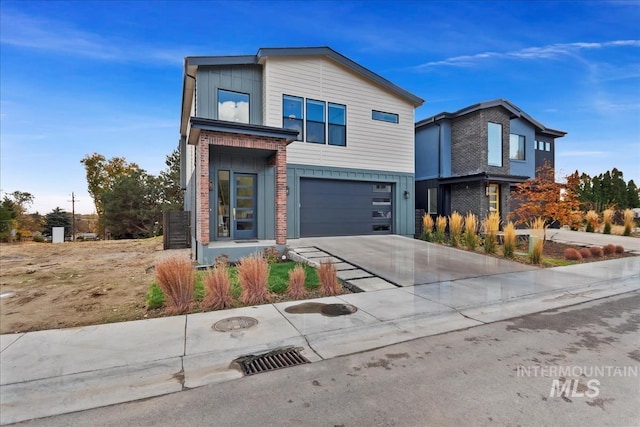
(407, 262)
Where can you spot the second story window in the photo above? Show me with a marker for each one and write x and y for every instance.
(292, 115)
(337, 124)
(516, 147)
(384, 117)
(494, 144)
(233, 106)
(315, 121)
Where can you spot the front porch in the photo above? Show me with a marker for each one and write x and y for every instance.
(235, 250)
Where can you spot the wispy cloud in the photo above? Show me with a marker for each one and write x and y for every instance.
(529, 53)
(583, 153)
(59, 37)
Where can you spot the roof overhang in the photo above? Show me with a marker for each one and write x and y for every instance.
(484, 176)
(198, 123)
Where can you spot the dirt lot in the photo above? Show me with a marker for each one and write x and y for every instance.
(76, 284)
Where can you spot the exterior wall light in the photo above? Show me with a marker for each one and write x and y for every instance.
(406, 194)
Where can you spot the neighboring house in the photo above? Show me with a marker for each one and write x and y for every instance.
(293, 142)
(469, 160)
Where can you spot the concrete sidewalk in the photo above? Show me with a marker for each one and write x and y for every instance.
(58, 371)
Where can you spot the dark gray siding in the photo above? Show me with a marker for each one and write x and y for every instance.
(236, 78)
(545, 156)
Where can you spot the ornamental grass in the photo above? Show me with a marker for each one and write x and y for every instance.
(456, 223)
(509, 246)
(329, 284)
(607, 218)
(296, 289)
(176, 278)
(591, 218)
(471, 231)
(441, 226)
(427, 227)
(490, 227)
(629, 217)
(218, 286)
(253, 276)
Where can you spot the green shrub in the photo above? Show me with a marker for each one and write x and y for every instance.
(155, 297)
(38, 238)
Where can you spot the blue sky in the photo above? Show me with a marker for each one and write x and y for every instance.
(83, 77)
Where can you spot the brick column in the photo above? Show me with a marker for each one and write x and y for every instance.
(281, 194)
(202, 199)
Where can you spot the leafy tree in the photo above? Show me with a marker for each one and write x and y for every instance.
(57, 218)
(7, 220)
(169, 179)
(543, 197)
(15, 206)
(132, 205)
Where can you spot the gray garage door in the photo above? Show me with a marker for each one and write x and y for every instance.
(342, 208)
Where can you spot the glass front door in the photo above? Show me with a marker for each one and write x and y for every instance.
(244, 206)
(494, 198)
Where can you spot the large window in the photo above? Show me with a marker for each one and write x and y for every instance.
(384, 117)
(516, 147)
(292, 115)
(432, 200)
(494, 144)
(337, 124)
(315, 121)
(233, 106)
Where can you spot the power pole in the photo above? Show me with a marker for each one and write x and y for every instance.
(73, 216)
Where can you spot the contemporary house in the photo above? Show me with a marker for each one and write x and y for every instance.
(289, 143)
(468, 161)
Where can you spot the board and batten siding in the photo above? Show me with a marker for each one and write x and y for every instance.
(371, 144)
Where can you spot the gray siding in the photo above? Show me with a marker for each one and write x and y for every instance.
(545, 156)
(236, 78)
(433, 141)
(404, 209)
(527, 166)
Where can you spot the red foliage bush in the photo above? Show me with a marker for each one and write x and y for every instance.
(585, 252)
(253, 274)
(619, 249)
(218, 287)
(572, 254)
(609, 249)
(296, 283)
(177, 280)
(329, 284)
(596, 251)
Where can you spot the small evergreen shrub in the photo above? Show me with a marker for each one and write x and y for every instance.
(176, 278)
(572, 254)
(471, 231)
(253, 275)
(596, 251)
(296, 289)
(329, 284)
(609, 249)
(441, 226)
(585, 252)
(456, 222)
(154, 297)
(619, 249)
(509, 240)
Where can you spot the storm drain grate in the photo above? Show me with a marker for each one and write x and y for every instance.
(275, 359)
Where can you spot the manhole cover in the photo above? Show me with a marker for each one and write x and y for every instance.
(234, 323)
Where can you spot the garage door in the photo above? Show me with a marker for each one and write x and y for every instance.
(343, 208)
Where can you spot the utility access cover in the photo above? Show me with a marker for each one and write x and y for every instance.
(234, 323)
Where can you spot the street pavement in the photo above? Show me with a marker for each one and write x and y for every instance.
(59, 371)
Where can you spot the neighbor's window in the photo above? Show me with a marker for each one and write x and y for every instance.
(384, 117)
(337, 124)
(233, 106)
(547, 146)
(432, 200)
(315, 121)
(494, 144)
(292, 115)
(516, 147)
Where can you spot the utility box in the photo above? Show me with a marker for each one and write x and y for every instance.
(57, 235)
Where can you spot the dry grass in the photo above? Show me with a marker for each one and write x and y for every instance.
(253, 274)
(471, 231)
(628, 216)
(441, 226)
(296, 288)
(585, 252)
(572, 254)
(427, 227)
(592, 218)
(176, 278)
(218, 286)
(329, 284)
(490, 227)
(537, 246)
(509, 240)
(456, 222)
(596, 251)
(607, 217)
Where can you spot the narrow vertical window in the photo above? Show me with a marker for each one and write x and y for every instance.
(494, 144)
(315, 121)
(337, 124)
(223, 203)
(292, 114)
(233, 106)
(432, 200)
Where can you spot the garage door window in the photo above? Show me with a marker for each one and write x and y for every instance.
(382, 208)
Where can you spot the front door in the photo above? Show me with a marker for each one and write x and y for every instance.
(244, 206)
(494, 198)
